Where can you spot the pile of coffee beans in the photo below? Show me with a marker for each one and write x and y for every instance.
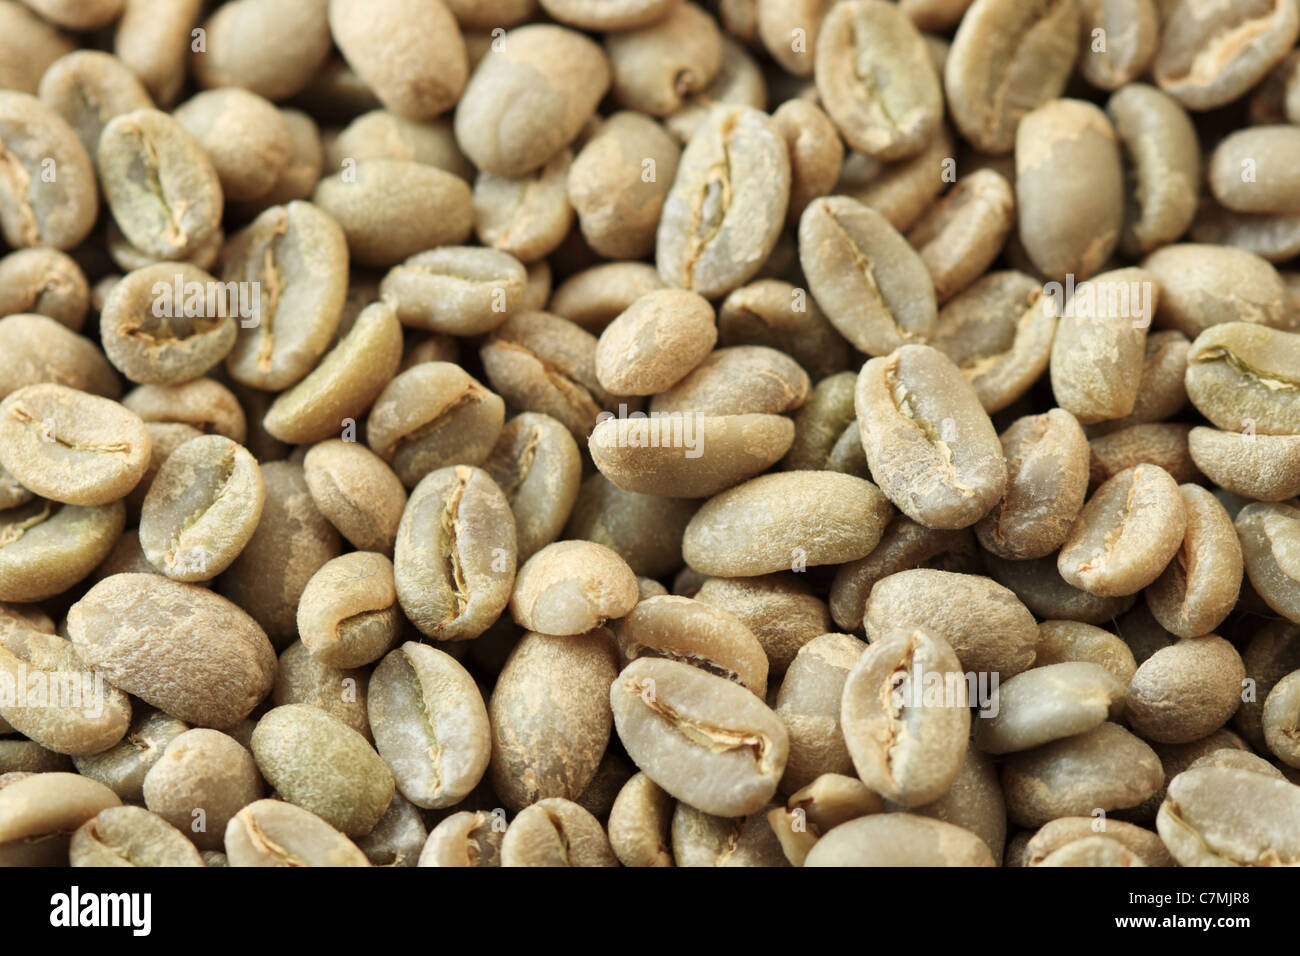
(649, 432)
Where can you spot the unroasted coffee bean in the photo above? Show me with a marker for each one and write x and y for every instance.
(727, 205)
(983, 622)
(618, 182)
(431, 416)
(293, 539)
(556, 832)
(430, 725)
(530, 99)
(454, 559)
(1200, 586)
(1064, 831)
(962, 233)
(301, 678)
(296, 257)
(700, 737)
(1038, 583)
(49, 195)
(540, 362)
(1047, 481)
(1163, 445)
(538, 467)
(179, 647)
(74, 713)
(785, 520)
(243, 135)
(200, 781)
(130, 836)
(1261, 467)
(160, 185)
(1007, 58)
(397, 838)
(871, 284)
(345, 383)
(123, 767)
(1202, 62)
(525, 216)
(348, 614)
(46, 548)
(1132, 34)
(1067, 158)
(645, 529)
(1092, 851)
(899, 839)
(816, 153)
(744, 379)
(1126, 534)
(550, 716)
(263, 46)
(40, 349)
(1048, 703)
(390, 209)
(1281, 719)
(1242, 377)
(461, 290)
(656, 66)
(1272, 187)
(1106, 768)
(71, 446)
(317, 762)
(203, 403)
(274, 833)
(1064, 641)
(809, 705)
(702, 839)
(685, 454)
(1211, 285)
(30, 46)
(973, 802)
(467, 838)
(639, 824)
(1162, 157)
(876, 79)
(594, 297)
(1219, 816)
(202, 508)
(907, 748)
(655, 343)
(44, 281)
(571, 587)
(696, 633)
(928, 441)
(779, 610)
(1269, 535)
(38, 814)
(1100, 345)
(387, 44)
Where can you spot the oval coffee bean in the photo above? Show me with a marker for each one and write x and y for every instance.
(1269, 536)
(357, 492)
(430, 725)
(1281, 720)
(71, 446)
(202, 508)
(317, 762)
(1186, 691)
(702, 738)
(899, 839)
(1259, 467)
(727, 205)
(874, 288)
(1106, 768)
(460, 290)
(550, 716)
(571, 587)
(876, 79)
(1244, 377)
(454, 559)
(1049, 703)
(994, 634)
(159, 184)
(1221, 816)
(1067, 158)
(785, 520)
(808, 703)
(467, 838)
(46, 548)
(179, 647)
(1126, 534)
(538, 467)
(655, 343)
(1007, 58)
(274, 833)
(556, 832)
(156, 331)
(907, 743)
(1200, 587)
(130, 836)
(202, 770)
(928, 440)
(48, 196)
(348, 614)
